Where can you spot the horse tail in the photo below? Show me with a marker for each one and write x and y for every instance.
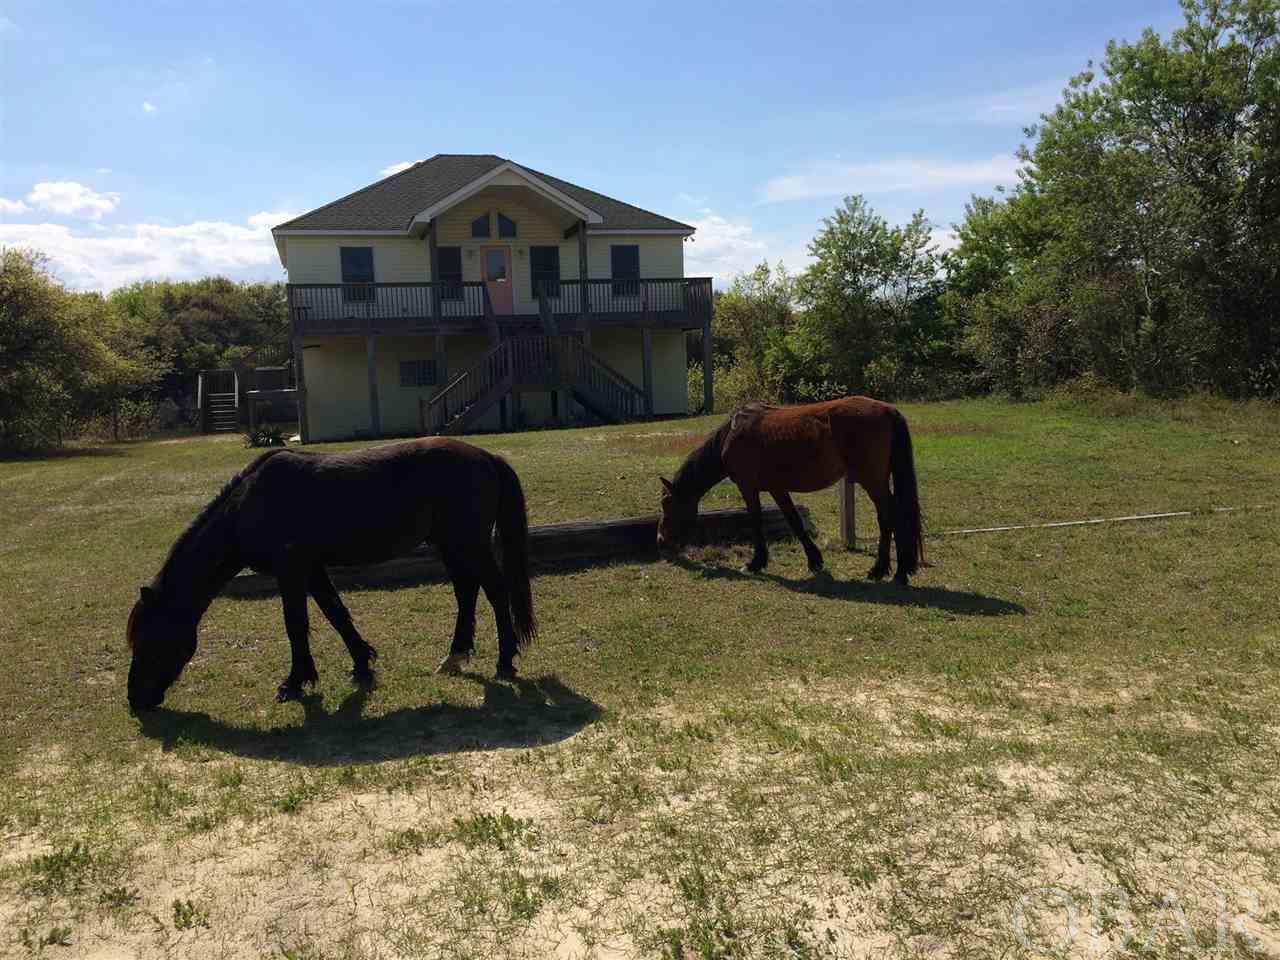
(908, 528)
(513, 529)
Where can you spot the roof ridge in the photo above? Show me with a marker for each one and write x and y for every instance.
(356, 193)
(547, 176)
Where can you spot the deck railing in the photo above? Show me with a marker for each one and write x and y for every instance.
(319, 308)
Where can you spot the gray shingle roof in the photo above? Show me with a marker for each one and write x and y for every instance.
(392, 202)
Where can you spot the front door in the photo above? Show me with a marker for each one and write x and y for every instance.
(495, 267)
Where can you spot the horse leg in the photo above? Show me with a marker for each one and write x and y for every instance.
(292, 576)
(760, 559)
(811, 552)
(883, 501)
(466, 588)
(335, 611)
(495, 591)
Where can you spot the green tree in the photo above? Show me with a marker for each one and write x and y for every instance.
(872, 319)
(64, 357)
(1143, 244)
(751, 321)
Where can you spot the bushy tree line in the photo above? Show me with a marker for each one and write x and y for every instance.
(1140, 249)
(71, 362)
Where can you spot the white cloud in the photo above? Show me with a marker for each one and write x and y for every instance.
(112, 256)
(943, 239)
(72, 199)
(722, 248)
(12, 207)
(836, 179)
(397, 167)
(270, 218)
(148, 106)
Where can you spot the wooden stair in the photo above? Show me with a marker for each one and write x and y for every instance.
(548, 362)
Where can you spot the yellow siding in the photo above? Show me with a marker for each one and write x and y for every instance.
(660, 257)
(535, 226)
(621, 350)
(336, 373)
(670, 372)
(395, 259)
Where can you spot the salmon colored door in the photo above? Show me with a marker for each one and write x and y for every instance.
(495, 267)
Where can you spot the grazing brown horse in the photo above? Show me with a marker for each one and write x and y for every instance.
(805, 448)
(292, 514)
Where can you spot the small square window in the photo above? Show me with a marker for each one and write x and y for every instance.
(506, 227)
(480, 227)
(417, 373)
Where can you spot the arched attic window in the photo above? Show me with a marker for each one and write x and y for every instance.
(480, 227)
(506, 226)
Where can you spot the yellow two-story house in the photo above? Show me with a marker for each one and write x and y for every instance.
(469, 293)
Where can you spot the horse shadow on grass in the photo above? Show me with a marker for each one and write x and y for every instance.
(523, 714)
(823, 584)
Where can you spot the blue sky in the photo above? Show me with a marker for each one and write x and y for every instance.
(164, 139)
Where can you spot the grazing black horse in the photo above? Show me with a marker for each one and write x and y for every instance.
(292, 513)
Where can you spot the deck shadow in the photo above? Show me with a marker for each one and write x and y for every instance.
(523, 714)
(964, 602)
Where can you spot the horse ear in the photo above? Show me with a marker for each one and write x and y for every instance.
(667, 483)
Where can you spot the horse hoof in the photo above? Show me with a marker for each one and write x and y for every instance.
(451, 666)
(877, 573)
(507, 672)
(362, 677)
(902, 580)
(288, 691)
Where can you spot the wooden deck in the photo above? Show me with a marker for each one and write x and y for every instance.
(679, 303)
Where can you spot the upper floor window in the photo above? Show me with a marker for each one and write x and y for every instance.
(544, 271)
(506, 227)
(480, 227)
(450, 262)
(624, 267)
(357, 272)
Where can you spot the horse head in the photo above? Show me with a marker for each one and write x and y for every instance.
(163, 640)
(678, 517)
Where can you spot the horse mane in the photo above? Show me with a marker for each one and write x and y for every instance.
(704, 467)
(198, 525)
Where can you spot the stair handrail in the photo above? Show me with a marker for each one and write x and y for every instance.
(624, 396)
(467, 387)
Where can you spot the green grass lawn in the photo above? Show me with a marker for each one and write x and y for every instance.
(1060, 742)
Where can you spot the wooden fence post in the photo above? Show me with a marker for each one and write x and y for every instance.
(848, 532)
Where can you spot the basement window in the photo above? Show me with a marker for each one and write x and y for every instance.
(418, 373)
